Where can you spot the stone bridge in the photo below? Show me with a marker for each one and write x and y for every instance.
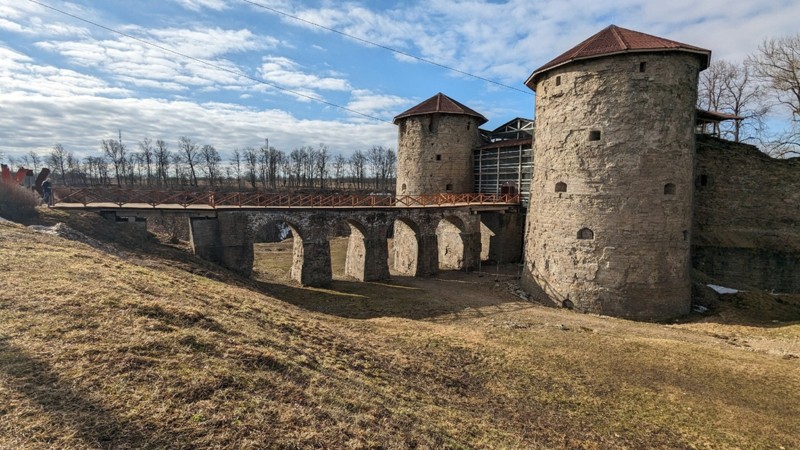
(424, 239)
(429, 232)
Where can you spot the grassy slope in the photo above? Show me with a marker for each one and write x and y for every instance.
(154, 349)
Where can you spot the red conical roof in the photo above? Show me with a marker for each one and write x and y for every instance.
(614, 40)
(442, 104)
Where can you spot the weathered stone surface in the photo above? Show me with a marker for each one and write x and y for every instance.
(501, 237)
(434, 152)
(747, 216)
(617, 137)
(228, 240)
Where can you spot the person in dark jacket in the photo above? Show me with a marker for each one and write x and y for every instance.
(47, 192)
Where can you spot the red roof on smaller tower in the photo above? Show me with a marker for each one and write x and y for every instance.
(614, 40)
(441, 104)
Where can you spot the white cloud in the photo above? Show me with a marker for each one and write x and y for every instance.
(142, 65)
(32, 19)
(507, 41)
(378, 105)
(197, 5)
(80, 122)
(289, 74)
(19, 74)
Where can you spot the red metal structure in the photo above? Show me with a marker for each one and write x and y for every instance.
(136, 198)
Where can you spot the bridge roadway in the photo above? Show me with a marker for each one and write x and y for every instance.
(429, 232)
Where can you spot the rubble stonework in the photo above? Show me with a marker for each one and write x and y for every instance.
(434, 147)
(615, 239)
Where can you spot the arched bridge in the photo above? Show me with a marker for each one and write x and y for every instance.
(429, 232)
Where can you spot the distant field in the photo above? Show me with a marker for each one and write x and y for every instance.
(128, 346)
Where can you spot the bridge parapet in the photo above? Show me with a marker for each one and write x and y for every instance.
(66, 197)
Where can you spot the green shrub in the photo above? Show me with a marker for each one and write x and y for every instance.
(17, 203)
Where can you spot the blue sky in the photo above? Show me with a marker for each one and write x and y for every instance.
(66, 81)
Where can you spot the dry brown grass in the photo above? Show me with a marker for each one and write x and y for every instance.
(147, 347)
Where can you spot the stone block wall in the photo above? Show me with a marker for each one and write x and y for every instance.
(501, 237)
(610, 213)
(747, 216)
(434, 153)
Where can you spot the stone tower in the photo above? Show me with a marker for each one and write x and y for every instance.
(611, 197)
(434, 150)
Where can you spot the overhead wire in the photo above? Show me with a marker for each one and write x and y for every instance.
(209, 64)
(385, 47)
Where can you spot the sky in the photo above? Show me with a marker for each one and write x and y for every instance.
(233, 73)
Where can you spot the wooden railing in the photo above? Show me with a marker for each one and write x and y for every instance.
(154, 198)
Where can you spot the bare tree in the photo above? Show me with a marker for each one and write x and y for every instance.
(162, 155)
(115, 152)
(35, 160)
(732, 89)
(146, 150)
(275, 159)
(57, 161)
(777, 64)
(188, 150)
(358, 163)
(321, 162)
(180, 173)
(212, 159)
(339, 163)
(251, 161)
(236, 160)
(74, 169)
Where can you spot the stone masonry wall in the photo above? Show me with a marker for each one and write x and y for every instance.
(435, 151)
(747, 216)
(622, 142)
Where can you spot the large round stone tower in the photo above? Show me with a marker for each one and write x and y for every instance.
(610, 214)
(434, 150)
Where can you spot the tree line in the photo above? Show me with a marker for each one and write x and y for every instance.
(767, 81)
(154, 164)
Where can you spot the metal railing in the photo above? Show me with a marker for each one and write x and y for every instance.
(154, 198)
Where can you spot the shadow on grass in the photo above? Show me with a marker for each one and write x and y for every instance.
(401, 297)
(95, 425)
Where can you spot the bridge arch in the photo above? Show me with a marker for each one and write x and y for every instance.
(367, 251)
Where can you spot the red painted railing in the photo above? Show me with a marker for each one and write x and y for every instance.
(154, 198)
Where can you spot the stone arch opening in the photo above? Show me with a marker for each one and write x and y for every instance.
(450, 243)
(367, 253)
(405, 247)
(274, 248)
(585, 233)
(561, 187)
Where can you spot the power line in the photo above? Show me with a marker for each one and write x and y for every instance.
(394, 50)
(210, 64)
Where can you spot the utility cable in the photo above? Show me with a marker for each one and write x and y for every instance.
(399, 52)
(210, 64)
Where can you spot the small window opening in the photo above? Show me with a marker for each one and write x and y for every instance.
(449, 187)
(702, 180)
(685, 235)
(642, 66)
(403, 188)
(561, 187)
(468, 125)
(438, 157)
(585, 233)
(430, 125)
(594, 135)
(558, 80)
(669, 189)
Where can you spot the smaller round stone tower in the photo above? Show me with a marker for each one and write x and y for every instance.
(434, 150)
(610, 214)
